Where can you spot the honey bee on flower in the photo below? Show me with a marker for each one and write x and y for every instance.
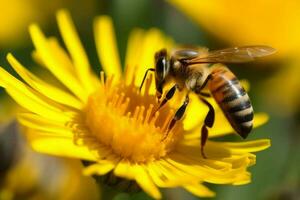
(187, 67)
(108, 121)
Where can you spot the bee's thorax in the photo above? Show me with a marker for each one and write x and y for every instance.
(191, 77)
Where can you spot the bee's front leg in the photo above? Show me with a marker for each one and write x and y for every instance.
(168, 96)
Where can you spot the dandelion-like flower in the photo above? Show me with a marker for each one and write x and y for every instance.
(110, 123)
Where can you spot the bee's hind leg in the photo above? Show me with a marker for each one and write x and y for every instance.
(208, 122)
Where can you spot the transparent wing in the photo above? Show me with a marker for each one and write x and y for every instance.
(234, 55)
(187, 52)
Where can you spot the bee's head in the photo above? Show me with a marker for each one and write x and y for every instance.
(162, 68)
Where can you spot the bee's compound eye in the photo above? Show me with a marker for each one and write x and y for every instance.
(161, 67)
(161, 64)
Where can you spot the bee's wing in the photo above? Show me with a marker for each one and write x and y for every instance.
(234, 55)
(187, 52)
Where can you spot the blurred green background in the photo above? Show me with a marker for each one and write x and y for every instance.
(274, 82)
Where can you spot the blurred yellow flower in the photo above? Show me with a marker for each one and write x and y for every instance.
(108, 122)
(16, 15)
(274, 23)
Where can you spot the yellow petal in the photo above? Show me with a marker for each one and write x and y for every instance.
(200, 171)
(243, 179)
(193, 153)
(58, 146)
(249, 146)
(221, 150)
(165, 175)
(54, 64)
(159, 176)
(123, 170)
(44, 88)
(236, 154)
(240, 160)
(77, 52)
(145, 182)
(199, 190)
(100, 168)
(59, 52)
(107, 47)
(39, 123)
(28, 99)
(61, 55)
(133, 53)
(133, 171)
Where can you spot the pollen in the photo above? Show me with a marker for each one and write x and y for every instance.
(126, 121)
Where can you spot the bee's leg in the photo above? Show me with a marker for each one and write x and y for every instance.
(205, 82)
(178, 115)
(205, 94)
(168, 96)
(146, 73)
(208, 122)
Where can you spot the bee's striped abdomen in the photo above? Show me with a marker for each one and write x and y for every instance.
(233, 100)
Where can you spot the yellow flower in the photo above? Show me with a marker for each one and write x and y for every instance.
(274, 23)
(108, 122)
(16, 15)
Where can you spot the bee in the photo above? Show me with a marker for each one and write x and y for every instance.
(194, 70)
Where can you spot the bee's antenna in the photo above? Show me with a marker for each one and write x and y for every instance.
(150, 69)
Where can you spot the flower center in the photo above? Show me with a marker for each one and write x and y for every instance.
(124, 119)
